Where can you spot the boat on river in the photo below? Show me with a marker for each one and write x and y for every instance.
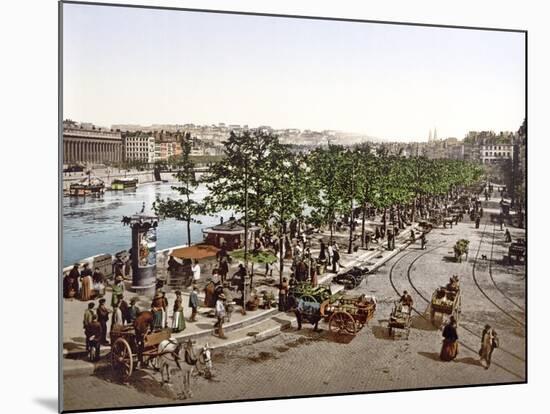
(91, 186)
(124, 183)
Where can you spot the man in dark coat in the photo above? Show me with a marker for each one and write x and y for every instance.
(194, 303)
(103, 317)
(124, 309)
(94, 334)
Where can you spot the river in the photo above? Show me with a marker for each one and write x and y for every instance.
(92, 225)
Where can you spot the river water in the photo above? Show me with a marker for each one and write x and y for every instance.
(92, 225)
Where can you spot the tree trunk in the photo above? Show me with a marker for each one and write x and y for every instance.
(189, 232)
(351, 222)
(363, 225)
(399, 221)
(384, 219)
(281, 247)
(413, 216)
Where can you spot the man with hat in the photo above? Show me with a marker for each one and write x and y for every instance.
(88, 317)
(220, 314)
(118, 289)
(178, 321)
(103, 317)
(194, 303)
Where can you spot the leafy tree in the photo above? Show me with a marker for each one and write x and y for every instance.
(286, 188)
(183, 209)
(325, 197)
(242, 172)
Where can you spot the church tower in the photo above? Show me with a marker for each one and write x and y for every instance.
(435, 134)
(430, 136)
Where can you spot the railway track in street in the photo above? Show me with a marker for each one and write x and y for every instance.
(424, 298)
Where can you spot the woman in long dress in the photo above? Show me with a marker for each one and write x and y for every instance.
(449, 350)
(87, 293)
(486, 350)
(156, 310)
(178, 321)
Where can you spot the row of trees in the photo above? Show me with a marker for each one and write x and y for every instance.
(270, 185)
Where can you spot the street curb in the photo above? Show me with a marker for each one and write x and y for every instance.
(88, 368)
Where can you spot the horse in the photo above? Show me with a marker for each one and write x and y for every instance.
(168, 352)
(143, 324)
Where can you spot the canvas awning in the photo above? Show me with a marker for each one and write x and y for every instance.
(199, 251)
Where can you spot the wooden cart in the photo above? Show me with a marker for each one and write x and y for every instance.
(400, 321)
(445, 303)
(352, 277)
(517, 249)
(348, 314)
(125, 350)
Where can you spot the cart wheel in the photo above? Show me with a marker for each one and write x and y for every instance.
(342, 322)
(122, 360)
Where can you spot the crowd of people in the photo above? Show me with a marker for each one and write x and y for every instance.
(86, 285)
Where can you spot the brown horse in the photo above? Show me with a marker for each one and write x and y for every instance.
(142, 326)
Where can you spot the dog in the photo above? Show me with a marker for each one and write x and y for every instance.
(483, 257)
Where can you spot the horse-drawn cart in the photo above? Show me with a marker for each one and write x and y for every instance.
(400, 321)
(351, 278)
(348, 314)
(461, 249)
(126, 350)
(425, 226)
(517, 249)
(445, 302)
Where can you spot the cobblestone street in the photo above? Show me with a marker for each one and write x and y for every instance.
(308, 363)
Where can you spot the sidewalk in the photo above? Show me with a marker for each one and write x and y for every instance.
(242, 330)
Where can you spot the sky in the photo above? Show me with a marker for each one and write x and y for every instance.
(143, 66)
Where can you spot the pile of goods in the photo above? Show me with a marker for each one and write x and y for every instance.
(319, 293)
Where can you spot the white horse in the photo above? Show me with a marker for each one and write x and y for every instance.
(168, 356)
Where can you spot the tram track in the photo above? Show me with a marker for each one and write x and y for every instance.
(427, 301)
(521, 308)
(482, 291)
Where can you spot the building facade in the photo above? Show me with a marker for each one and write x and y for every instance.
(88, 144)
(139, 147)
(492, 152)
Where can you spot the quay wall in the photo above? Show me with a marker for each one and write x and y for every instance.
(142, 176)
(162, 257)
